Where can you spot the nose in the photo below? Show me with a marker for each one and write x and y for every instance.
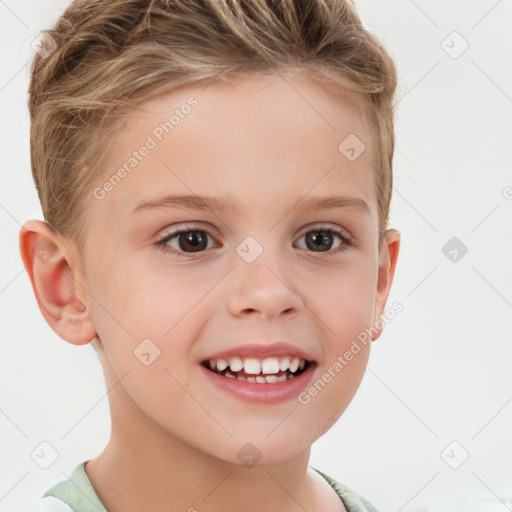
(259, 290)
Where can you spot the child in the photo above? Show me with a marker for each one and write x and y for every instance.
(215, 179)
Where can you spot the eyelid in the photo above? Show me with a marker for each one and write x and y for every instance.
(346, 238)
(184, 226)
(161, 243)
(327, 227)
(175, 229)
(322, 225)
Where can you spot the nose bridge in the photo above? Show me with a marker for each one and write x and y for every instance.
(262, 284)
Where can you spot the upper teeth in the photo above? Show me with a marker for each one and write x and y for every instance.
(254, 366)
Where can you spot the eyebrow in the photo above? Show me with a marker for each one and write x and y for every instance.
(228, 204)
(189, 202)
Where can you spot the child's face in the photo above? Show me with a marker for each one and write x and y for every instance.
(269, 149)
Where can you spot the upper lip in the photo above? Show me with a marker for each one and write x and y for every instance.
(261, 351)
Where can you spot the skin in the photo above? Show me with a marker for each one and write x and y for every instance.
(174, 437)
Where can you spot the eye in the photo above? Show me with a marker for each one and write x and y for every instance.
(323, 240)
(186, 240)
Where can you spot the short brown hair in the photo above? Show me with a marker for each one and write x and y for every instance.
(110, 55)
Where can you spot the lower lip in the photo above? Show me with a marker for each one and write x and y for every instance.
(266, 393)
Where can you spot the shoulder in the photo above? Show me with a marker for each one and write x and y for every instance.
(75, 494)
(50, 504)
(353, 501)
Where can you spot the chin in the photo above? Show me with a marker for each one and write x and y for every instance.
(255, 449)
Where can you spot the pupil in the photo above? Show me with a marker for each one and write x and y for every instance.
(320, 240)
(193, 240)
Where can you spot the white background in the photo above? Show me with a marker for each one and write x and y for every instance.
(440, 373)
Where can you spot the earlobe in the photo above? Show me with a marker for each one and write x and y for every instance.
(388, 255)
(44, 254)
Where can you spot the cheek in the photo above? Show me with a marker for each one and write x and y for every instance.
(344, 302)
(148, 297)
(152, 315)
(340, 381)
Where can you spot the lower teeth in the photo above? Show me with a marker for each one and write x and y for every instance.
(260, 378)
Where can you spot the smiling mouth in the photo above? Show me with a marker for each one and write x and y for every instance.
(262, 371)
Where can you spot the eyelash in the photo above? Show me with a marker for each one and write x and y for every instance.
(345, 241)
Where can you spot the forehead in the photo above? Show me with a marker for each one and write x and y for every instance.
(249, 134)
(287, 94)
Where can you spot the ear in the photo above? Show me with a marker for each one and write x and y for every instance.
(47, 256)
(388, 254)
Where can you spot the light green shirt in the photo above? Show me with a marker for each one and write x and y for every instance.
(79, 494)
